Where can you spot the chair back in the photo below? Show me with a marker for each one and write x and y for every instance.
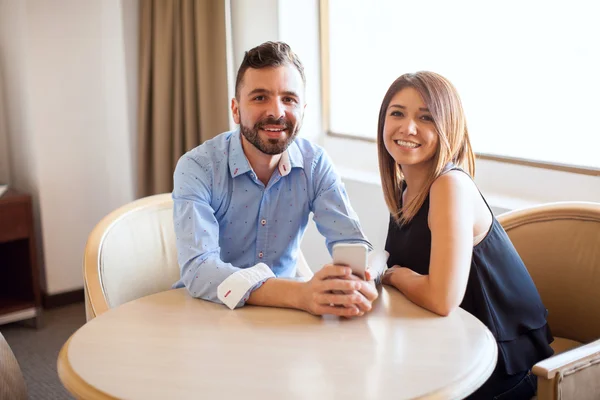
(131, 253)
(560, 245)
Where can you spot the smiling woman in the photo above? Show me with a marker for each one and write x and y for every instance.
(446, 248)
(400, 129)
(422, 129)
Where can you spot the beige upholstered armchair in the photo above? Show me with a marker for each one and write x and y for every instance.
(560, 245)
(12, 384)
(131, 253)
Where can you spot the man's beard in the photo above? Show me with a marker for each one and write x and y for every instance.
(270, 146)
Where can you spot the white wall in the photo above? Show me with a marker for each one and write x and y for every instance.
(367, 200)
(129, 35)
(19, 135)
(262, 15)
(70, 116)
(13, 72)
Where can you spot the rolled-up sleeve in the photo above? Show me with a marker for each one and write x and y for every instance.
(203, 273)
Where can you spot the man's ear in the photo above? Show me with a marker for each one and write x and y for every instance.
(235, 111)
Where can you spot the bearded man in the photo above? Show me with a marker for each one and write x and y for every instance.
(242, 201)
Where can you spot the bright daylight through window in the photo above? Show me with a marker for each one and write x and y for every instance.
(528, 71)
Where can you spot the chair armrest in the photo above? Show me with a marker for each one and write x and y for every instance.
(576, 358)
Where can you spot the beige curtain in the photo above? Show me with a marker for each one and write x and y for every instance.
(4, 160)
(183, 97)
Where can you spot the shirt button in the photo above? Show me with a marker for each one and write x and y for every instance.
(263, 222)
(260, 255)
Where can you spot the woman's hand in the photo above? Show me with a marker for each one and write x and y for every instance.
(393, 276)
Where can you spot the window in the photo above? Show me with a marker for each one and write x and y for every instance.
(528, 72)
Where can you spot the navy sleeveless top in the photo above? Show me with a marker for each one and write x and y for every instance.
(500, 291)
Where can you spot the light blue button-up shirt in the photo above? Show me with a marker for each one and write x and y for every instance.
(226, 219)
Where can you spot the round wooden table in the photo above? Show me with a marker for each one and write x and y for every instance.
(171, 346)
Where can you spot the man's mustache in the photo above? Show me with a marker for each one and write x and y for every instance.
(272, 121)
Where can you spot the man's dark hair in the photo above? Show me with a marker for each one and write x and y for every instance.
(268, 54)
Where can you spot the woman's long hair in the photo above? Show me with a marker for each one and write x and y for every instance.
(454, 146)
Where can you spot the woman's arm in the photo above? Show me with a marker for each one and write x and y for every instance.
(451, 219)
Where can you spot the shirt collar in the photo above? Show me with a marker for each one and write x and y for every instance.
(239, 165)
(291, 158)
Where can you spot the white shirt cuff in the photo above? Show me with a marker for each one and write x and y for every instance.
(232, 289)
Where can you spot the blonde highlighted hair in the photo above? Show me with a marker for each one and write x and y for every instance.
(454, 146)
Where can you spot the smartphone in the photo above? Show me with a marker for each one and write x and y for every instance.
(353, 255)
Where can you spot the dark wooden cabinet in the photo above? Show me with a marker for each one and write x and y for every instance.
(20, 296)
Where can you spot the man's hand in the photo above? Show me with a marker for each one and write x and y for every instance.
(367, 289)
(334, 290)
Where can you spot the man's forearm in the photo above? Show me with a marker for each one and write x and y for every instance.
(278, 292)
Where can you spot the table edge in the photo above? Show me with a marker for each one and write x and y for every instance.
(83, 390)
(458, 391)
(79, 388)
